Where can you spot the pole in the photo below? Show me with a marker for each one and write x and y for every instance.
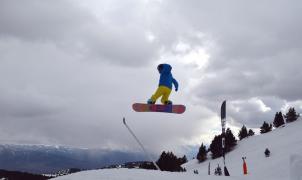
(140, 144)
(244, 166)
(223, 124)
(209, 169)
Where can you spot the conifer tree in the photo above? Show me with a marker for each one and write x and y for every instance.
(169, 162)
(278, 120)
(251, 133)
(230, 140)
(216, 144)
(266, 128)
(291, 115)
(202, 153)
(183, 160)
(216, 147)
(242, 133)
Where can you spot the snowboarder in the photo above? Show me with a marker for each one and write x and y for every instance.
(165, 85)
(164, 89)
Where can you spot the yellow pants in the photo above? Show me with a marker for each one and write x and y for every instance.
(161, 91)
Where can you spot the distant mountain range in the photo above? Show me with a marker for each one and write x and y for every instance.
(15, 175)
(44, 159)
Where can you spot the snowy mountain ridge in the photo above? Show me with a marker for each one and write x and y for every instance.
(285, 162)
(44, 159)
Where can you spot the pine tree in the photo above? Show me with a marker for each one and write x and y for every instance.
(183, 160)
(202, 153)
(161, 162)
(242, 133)
(215, 147)
(266, 128)
(251, 133)
(230, 140)
(278, 120)
(216, 144)
(169, 162)
(291, 115)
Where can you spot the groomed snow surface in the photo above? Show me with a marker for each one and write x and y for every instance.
(284, 163)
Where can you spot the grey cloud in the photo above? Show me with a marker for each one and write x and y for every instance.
(74, 28)
(256, 53)
(69, 75)
(41, 20)
(27, 104)
(126, 46)
(250, 112)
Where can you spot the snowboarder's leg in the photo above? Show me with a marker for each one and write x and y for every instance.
(166, 94)
(159, 92)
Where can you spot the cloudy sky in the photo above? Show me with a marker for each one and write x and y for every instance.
(70, 70)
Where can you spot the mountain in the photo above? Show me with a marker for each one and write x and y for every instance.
(44, 159)
(284, 162)
(14, 175)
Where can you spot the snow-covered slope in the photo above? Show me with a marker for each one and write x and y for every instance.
(284, 143)
(131, 174)
(139, 174)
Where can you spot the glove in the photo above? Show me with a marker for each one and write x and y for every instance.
(176, 89)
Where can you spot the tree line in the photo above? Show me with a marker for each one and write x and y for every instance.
(280, 120)
(167, 162)
(230, 141)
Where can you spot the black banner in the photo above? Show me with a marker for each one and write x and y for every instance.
(223, 116)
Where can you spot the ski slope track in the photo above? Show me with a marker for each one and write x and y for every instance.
(284, 163)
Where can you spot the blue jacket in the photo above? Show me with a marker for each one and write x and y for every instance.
(166, 78)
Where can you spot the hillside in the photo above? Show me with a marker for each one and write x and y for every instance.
(284, 143)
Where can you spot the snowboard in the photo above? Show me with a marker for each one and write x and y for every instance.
(169, 108)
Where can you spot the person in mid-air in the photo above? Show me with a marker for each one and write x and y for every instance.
(165, 85)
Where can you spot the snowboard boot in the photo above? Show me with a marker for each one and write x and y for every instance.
(168, 102)
(150, 101)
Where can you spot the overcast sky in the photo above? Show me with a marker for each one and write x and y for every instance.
(71, 70)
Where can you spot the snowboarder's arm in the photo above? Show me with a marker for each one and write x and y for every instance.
(175, 84)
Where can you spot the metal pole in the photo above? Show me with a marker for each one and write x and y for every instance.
(223, 124)
(140, 144)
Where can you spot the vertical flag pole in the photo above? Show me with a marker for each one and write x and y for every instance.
(223, 124)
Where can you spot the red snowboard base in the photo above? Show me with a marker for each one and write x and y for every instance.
(170, 108)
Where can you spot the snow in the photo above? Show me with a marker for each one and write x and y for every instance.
(284, 163)
(296, 167)
(139, 174)
(282, 142)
